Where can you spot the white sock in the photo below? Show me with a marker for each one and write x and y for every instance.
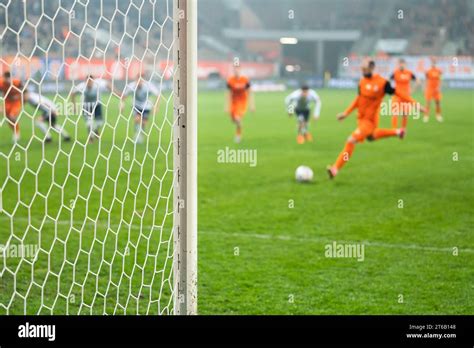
(90, 126)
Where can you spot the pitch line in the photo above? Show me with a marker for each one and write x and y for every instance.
(327, 240)
(266, 236)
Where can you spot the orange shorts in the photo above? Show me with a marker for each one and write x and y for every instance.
(238, 110)
(12, 109)
(433, 94)
(365, 128)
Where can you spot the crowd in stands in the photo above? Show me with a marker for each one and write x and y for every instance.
(428, 20)
(434, 20)
(66, 27)
(316, 15)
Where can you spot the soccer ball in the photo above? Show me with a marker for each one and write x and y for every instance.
(304, 174)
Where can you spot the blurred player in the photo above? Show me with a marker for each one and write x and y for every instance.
(372, 89)
(299, 103)
(240, 94)
(12, 91)
(433, 90)
(91, 91)
(142, 92)
(49, 116)
(403, 78)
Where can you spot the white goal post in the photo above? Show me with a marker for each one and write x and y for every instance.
(98, 191)
(185, 193)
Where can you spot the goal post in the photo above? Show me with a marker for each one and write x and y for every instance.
(185, 192)
(98, 191)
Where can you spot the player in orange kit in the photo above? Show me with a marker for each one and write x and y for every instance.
(12, 90)
(402, 77)
(372, 89)
(240, 94)
(433, 90)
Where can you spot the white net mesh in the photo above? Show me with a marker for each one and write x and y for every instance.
(86, 224)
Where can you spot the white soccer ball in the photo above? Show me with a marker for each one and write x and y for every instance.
(304, 174)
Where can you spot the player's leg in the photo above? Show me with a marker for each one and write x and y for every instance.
(426, 117)
(404, 121)
(343, 157)
(438, 107)
(98, 120)
(87, 113)
(380, 133)
(15, 126)
(138, 123)
(138, 127)
(372, 131)
(141, 120)
(300, 138)
(43, 125)
(236, 115)
(363, 130)
(395, 112)
(307, 134)
(394, 121)
(237, 119)
(53, 122)
(12, 110)
(62, 131)
(405, 112)
(145, 115)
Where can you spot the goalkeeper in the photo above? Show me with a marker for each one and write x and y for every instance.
(299, 103)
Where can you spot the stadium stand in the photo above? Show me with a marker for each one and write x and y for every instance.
(429, 27)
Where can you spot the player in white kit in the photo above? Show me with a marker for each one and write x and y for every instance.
(299, 103)
(49, 115)
(142, 92)
(91, 91)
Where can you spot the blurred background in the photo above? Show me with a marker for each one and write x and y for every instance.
(277, 41)
(323, 40)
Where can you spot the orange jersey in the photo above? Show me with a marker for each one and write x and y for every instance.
(239, 89)
(11, 92)
(402, 80)
(433, 79)
(371, 93)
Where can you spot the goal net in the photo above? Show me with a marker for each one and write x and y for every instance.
(97, 157)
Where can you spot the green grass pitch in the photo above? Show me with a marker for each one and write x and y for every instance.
(262, 236)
